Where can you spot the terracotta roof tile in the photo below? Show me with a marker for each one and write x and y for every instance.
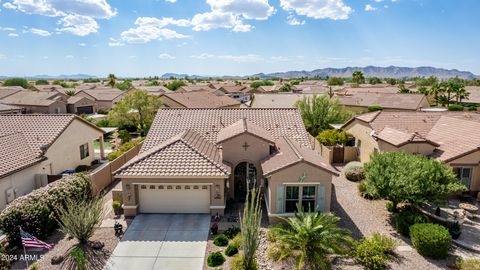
(202, 99)
(290, 152)
(386, 100)
(243, 126)
(208, 123)
(16, 154)
(186, 154)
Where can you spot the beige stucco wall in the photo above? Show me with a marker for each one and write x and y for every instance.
(130, 192)
(472, 160)
(291, 175)
(234, 153)
(65, 152)
(82, 103)
(23, 181)
(413, 148)
(361, 131)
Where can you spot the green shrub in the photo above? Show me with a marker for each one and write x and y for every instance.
(390, 207)
(116, 204)
(33, 266)
(41, 82)
(455, 107)
(472, 108)
(124, 148)
(354, 171)
(231, 232)
(37, 212)
(220, 240)
(333, 137)
(375, 252)
(231, 250)
(80, 258)
(175, 85)
(469, 264)
(374, 108)
(364, 192)
(431, 240)
(17, 82)
(215, 259)
(406, 218)
(124, 135)
(82, 168)
(236, 241)
(4, 262)
(238, 263)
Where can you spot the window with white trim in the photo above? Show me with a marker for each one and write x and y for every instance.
(302, 195)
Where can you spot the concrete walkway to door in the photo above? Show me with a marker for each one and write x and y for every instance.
(162, 241)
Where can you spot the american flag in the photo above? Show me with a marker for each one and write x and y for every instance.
(29, 241)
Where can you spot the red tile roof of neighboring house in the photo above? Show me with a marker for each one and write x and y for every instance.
(104, 94)
(16, 154)
(185, 154)
(202, 99)
(6, 91)
(385, 100)
(243, 126)
(290, 153)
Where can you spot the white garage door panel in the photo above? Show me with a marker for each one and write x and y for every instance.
(174, 200)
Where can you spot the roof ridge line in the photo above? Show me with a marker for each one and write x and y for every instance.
(295, 150)
(202, 154)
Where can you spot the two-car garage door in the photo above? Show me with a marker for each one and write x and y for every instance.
(184, 198)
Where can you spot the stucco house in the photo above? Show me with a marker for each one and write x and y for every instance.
(38, 102)
(34, 146)
(80, 105)
(194, 160)
(451, 137)
(104, 97)
(9, 109)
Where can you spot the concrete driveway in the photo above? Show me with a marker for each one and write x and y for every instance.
(162, 241)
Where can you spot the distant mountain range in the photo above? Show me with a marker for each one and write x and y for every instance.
(368, 71)
(374, 71)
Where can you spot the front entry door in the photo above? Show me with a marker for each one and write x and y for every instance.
(244, 171)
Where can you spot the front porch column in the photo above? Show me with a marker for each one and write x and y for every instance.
(102, 148)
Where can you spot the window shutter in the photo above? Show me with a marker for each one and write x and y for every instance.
(280, 200)
(321, 198)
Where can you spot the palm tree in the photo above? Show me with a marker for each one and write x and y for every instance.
(112, 80)
(437, 90)
(357, 77)
(309, 237)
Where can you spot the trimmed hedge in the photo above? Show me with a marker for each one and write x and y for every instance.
(354, 171)
(406, 218)
(455, 107)
(431, 240)
(220, 240)
(215, 259)
(36, 212)
(374, 108)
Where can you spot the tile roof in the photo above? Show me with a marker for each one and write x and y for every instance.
(16, 154)
(8, 108)
(193, 88)
(474, 96)
(229, 89)
(386, 100)
(202, 99)
(31, 98)
(208, 123)
(39, 130)
(399, 138)
(290, 153)
(105, 94)
(280, 100)
(6, 91)
(185, 154)
(243, 126)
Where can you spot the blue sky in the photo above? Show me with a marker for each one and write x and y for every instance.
(234, 37)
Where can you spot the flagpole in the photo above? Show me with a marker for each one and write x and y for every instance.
(24, 250)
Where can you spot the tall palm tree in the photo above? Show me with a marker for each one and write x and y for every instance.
(112, 80)
(309, 237)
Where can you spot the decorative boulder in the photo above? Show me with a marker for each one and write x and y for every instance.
(354, 171)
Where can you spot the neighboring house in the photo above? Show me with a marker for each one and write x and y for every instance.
(194, 160)
(242, 93)
(155, 90)
(451, 137)
(280, 100)
(9, 109)
(80, 105)
(104, 97)
(192, 88)
(198, 99)
(359, 102)
(268, 88)
(6, 91)
(34, 146)
(474, 95)
(38, 102)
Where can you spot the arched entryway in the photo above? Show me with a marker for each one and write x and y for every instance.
(245, 175)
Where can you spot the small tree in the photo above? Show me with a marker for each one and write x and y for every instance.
(175, 85)
(403, 177)
(17, 82)
(335, 81)
(257, 84)
(318, 112)
(111, 80)
(332, 137)
(41, 82)
(250, 226)
(374, 80)
(357, 77)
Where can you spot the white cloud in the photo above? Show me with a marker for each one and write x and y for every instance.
(69, 57)
(171, 1)
(13, 35)
(379, 1)
(318, 9)
(78, 16)
(59, 8)
(216, 19)
(40, 32)
(292, 20)
(82, 44)
(166, 56)
(115, 43)
(369, 7)
(2, 56)
(236, 58)
(248, 9)
(9, 29)
(149, 28)
(78, 25)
